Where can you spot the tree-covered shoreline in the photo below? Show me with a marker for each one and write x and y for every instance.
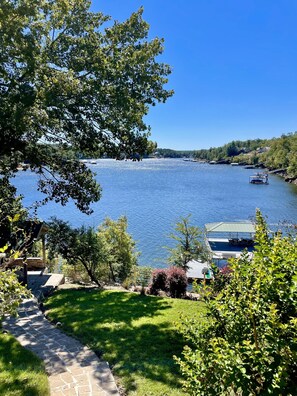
(279, 155)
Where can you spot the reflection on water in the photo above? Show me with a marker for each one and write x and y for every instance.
(154, 193)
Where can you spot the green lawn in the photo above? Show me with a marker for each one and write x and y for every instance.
(136, 334)
(21, 372)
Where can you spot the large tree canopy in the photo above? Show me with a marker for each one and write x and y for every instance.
(71, 78)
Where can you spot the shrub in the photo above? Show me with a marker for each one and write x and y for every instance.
(11, 293)
(176, 282)
(173, 281)
(159, 281)
(248, 346)
(222, 277)
(140, 276)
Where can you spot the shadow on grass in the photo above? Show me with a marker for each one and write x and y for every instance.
(146, 351)
(95, 306)
(133, 332)
(21, 372)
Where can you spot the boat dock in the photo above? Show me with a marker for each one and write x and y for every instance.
(228, 239)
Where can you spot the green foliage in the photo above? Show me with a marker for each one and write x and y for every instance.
(281, 153)
(232, 149)
(72, 82)
(168, 153)
(75, 273)
(139, 276)
(106, 255)
(222, 276)
(121, 256)
(78, 246)
(248, 344)
(229, 150)
(11, 213)
(11, 293)
(188, 244)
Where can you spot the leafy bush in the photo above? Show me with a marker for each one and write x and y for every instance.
(159, 281)
(248, 345)
(222, 277)
(11, 293)
(172, 280)
(176, 282)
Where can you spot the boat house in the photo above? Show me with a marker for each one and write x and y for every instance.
(228, 239)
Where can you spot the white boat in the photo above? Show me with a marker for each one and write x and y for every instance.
(259, 178)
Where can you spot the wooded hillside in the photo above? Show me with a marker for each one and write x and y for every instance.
(277, 153)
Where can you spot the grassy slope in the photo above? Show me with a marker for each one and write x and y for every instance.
(136, 334)
(21, 372)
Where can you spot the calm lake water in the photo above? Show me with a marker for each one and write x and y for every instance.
(154, 193)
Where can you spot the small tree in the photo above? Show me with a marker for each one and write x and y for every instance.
(189, 244)
(105, 255)
(144, 275)
(122, 256)
(247, 345)
(78, 245)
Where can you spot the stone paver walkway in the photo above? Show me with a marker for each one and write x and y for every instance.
(73, 369)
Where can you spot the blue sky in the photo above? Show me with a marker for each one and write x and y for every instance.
(234, 68)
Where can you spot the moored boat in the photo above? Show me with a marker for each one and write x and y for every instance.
(259, 178)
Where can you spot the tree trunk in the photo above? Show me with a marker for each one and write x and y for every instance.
(90, 273)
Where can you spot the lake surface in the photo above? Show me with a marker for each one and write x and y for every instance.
(154, 193)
